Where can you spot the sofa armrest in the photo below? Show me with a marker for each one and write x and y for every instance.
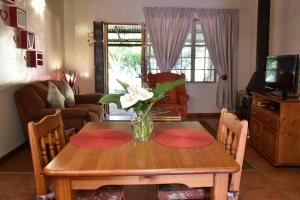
(67, 113)
(92, 98)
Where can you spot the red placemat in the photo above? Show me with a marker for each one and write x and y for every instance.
(100, 138)
(183, 137)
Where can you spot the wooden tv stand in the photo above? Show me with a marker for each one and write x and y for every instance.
(275, 128)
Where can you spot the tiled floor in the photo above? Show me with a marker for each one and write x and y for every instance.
(265, 182)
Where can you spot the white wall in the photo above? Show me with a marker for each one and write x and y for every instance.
(285, 28)
(79, 17)
(13, 71)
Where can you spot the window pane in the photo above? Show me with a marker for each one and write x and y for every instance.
(199, 75)
(186, 52)
(199, 63)
(206, 52)
(186, 63)
(208, 64)
(209, 75)
(200, 52)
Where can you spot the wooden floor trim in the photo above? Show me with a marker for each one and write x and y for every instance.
(202, 115)
(13, 152)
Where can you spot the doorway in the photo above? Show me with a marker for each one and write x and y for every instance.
(125, 58)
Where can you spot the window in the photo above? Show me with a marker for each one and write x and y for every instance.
(194, 60)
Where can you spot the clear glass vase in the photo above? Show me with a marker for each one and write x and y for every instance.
(142, 126)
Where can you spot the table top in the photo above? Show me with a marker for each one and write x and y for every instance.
(141, 158)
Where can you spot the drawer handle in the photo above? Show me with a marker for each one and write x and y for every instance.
(148, 177)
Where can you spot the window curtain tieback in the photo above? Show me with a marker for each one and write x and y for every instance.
(223, 77)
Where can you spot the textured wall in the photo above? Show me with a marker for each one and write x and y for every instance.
(48, 28)
(79, 17)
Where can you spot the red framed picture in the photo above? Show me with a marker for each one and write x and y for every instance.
(17, 17)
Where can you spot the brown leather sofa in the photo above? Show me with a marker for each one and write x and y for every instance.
(32, 105)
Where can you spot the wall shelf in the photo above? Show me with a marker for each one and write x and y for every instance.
(34, 58)
(24, 39)
(17, 17)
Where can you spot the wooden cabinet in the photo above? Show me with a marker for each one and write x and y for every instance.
(275, 128)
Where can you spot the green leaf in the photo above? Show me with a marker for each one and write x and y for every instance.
(124, 85)
(111, 98)
(162, 88)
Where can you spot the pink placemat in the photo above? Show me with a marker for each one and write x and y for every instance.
(98, 138)
(183, 137)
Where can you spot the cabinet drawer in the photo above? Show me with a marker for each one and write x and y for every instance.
(266, 117)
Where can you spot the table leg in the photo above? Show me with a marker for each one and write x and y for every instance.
(63, 190)
(220, 188)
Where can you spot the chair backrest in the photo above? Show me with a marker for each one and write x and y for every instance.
(46, 140)
(162, 77)
(232, 133)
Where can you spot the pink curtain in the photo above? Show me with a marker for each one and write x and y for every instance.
(168, 29)
(221, 34)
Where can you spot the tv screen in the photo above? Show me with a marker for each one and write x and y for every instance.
(282, 73)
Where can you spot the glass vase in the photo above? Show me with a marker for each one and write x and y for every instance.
(142, 126)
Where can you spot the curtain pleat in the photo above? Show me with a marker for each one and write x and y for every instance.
(221, 34)
(168, 29)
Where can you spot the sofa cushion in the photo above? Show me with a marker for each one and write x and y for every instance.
(54, 97)
(68, 93)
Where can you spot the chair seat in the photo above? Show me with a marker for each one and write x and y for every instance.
(181, 192)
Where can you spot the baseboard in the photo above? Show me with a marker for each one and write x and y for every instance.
(12, 152)
(202, 115)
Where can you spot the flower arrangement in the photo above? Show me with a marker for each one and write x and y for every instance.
(141, 101)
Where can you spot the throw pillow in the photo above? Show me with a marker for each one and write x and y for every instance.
(68, 93)
(54, 97)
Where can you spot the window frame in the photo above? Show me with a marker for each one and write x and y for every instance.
(193, 57)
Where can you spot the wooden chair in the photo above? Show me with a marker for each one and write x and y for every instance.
(232, 134)
(46, 141)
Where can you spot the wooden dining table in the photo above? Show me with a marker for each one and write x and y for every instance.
(141, 163)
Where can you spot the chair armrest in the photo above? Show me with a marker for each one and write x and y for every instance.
(67, 113)
(182, 98)
(92, 98)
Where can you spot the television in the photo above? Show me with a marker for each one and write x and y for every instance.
(282, 74)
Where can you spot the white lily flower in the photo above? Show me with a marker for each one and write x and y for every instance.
(128, 100)
(142, 93)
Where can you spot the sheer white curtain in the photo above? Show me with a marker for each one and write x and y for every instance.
(221, 34)
(168, 28)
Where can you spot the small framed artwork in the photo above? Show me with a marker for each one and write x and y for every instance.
(17, 17)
